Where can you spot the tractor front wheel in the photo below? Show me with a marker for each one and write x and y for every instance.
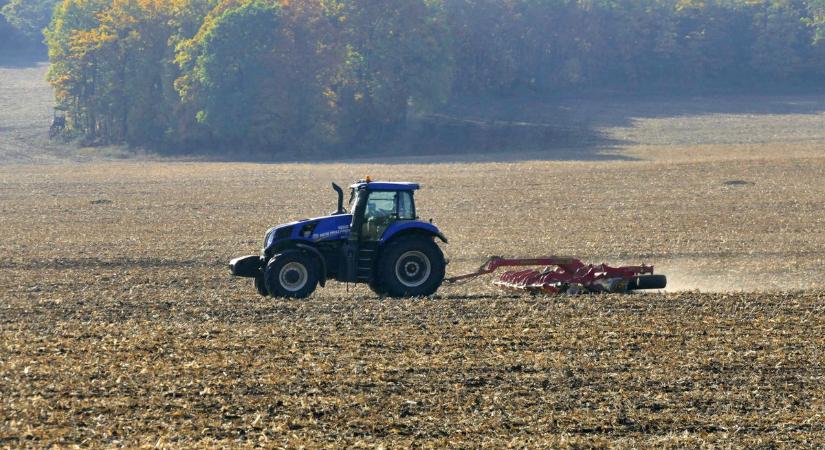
(410, 267)
(260, 286)
(291, 274)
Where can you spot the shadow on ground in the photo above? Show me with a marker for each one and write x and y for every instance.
(22, 58)
(589, 128)
(596, 127)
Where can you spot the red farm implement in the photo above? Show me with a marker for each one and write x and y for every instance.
(560, 275)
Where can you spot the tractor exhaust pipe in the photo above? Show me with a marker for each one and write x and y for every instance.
(340, 192)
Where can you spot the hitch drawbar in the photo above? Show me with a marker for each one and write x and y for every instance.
(562, 274)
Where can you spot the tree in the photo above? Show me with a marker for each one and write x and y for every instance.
(256, 74)
(484, 34)
(29, 17)
(73, 65)
(781, 38)
(112, 66)
(815, 18)
(397, 56)
(8, 34)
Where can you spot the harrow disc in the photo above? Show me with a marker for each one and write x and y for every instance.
(567, 275)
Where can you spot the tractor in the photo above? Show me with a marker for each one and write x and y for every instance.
(380, 241)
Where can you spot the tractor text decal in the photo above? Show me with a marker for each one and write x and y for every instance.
(342, 230)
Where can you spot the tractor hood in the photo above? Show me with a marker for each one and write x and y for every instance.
(317, 229)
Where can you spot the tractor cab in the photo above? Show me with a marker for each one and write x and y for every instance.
(377, 206)
(379, 241)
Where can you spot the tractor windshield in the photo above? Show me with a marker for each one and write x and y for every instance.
(353, 200)
(383, 208)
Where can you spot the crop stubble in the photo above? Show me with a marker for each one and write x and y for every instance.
(120, 324)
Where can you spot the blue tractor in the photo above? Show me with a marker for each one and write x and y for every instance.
(380, 242)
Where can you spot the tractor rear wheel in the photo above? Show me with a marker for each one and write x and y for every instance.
(410, 267)
(377, 288)
(291, 274)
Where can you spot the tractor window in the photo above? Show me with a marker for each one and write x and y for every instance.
(381, 204)
(353, 200)
(405, 206)
(383, 208)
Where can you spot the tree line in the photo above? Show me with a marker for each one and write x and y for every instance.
(316, 75)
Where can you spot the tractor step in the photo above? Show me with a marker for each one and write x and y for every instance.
(365, 261)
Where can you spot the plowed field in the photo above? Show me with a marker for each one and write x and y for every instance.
(120, 326)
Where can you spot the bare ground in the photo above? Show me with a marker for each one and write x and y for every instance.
(25, 112)
(120, 325)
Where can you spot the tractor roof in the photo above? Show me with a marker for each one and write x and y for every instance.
(385, 186)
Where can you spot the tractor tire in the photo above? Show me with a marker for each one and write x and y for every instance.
(260, 286)
(291, 274)
(648, 282)
(410, 267)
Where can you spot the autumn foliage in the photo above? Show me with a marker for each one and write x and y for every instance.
(312, 76)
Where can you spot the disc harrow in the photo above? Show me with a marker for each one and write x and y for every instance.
(566, 275)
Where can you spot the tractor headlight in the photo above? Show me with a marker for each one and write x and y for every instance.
(270, 237)
(282, 232)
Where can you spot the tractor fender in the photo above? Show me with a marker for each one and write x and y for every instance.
(282, 244)
(403, 228)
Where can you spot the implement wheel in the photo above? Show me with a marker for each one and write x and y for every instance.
(648, 282)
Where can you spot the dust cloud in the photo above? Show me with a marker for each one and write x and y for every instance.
(739, 275)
